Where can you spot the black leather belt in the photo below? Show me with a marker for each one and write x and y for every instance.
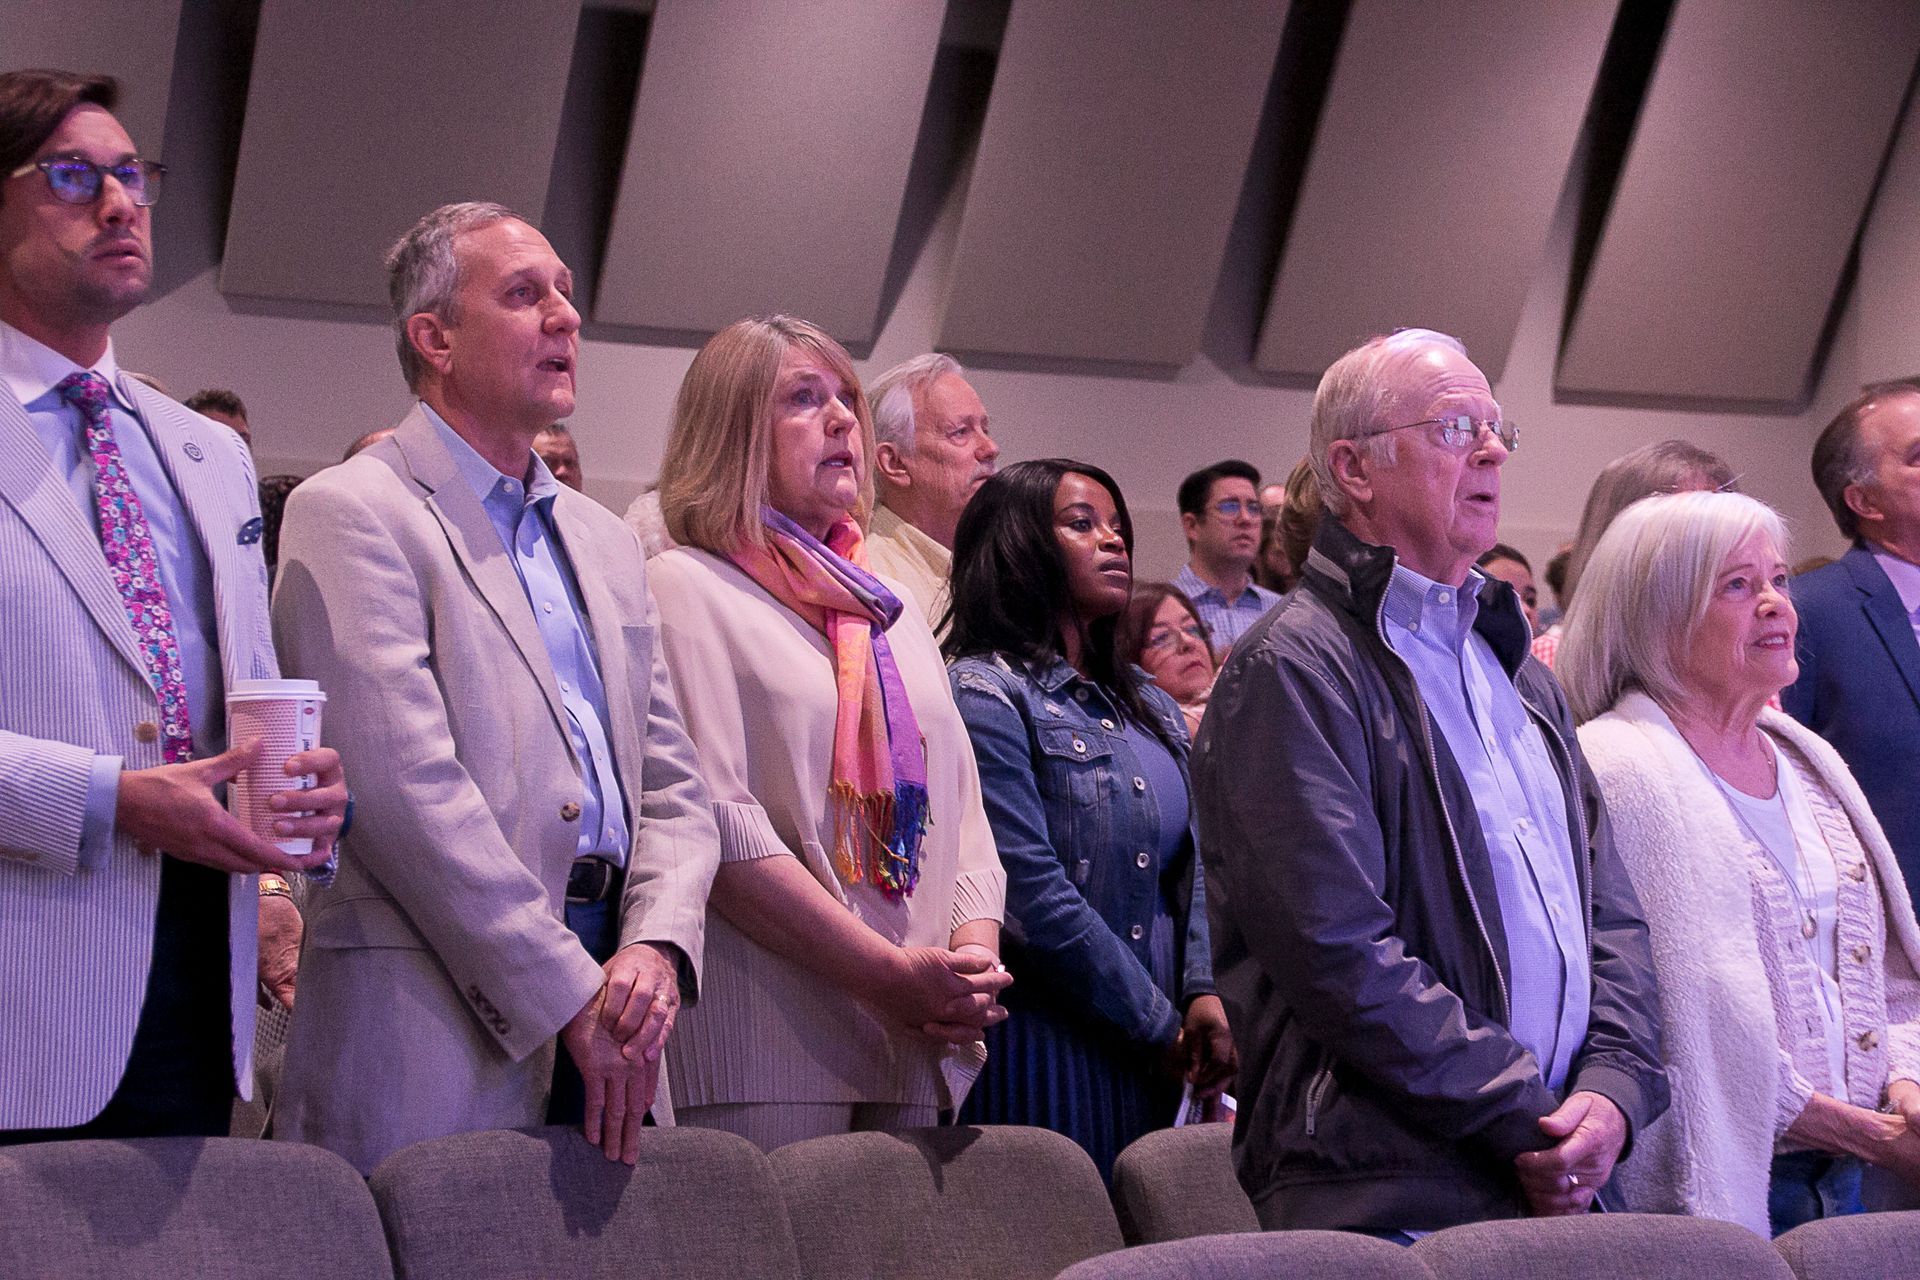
(592, 880)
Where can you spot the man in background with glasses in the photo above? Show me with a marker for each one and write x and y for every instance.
(1220, 514)
(1429, 951)
(129, 550)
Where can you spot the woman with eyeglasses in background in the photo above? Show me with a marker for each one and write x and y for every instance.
(1162, 633)
(1083, 771)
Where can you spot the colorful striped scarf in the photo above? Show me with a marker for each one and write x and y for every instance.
(878, 792)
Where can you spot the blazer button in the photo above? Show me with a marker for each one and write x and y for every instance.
(1861, 952)
(569, 812)
(1870, 1040)
(146, 731)
(1858, 871)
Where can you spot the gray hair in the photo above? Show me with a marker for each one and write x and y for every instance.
(1355, 395)
(891, 396)
(1647, 587)
(423, 273)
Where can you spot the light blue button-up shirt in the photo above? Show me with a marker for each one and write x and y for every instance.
(30, 371)
(522, 514)
(1520, 805)
(1228, 620)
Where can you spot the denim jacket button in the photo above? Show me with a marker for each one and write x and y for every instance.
(1080, 695)
(1141, 859)
(1106, 724)
(1052, 709)
(1139, 784)
(1137, 932)
(1079, 745)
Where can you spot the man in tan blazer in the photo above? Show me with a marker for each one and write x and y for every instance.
(134, 595)
(532, 857)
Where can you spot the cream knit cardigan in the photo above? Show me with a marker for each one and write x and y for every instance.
(1742, 1037)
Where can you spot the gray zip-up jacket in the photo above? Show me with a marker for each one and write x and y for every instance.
(1357, 937)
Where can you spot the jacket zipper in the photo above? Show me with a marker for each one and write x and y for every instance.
(1316, 1091)
(1453, 837)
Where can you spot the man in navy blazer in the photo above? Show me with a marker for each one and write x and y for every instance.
(1859, 684)
(128, 898)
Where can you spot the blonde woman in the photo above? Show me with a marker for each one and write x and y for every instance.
(852, 958)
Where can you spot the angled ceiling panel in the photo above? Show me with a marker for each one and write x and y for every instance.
(767, 162)
(1109, 168)
(356, 128)
(1436, 166)
(1754, 157)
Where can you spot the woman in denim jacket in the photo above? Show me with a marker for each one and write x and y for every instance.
(1083, 767)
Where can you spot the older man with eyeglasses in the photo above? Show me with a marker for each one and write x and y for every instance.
(1430, 951)
(130, 549)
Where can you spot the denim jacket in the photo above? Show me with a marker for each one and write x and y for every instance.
(1075, 825)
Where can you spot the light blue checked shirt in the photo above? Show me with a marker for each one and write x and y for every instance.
(1227, 620)
(1520, 805)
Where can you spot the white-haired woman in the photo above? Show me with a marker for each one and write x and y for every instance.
(1783, 937)
(852, 942)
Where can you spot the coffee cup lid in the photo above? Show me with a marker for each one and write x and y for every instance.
(252, 690)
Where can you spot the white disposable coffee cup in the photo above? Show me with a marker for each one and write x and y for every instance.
(285, 716)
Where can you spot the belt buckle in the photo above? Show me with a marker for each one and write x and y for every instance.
(588, 880)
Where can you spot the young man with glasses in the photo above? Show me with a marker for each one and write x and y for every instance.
(1426, 943)
(129, 544)
(1220, 514)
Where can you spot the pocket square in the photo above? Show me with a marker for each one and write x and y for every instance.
(250, 532)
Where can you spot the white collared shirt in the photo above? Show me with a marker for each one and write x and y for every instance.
(1905, 576)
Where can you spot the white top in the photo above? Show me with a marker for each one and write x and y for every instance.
(1785, 825)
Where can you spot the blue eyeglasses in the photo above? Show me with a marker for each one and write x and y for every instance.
(76, 181)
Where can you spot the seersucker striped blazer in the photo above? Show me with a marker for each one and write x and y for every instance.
(75, 946)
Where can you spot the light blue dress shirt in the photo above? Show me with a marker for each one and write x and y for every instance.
(30, 371)
(522, 514)
(1520, 805)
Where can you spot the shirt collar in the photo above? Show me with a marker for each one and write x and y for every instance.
(887, 523)
(30, 369)
(489, 485)
(1905, 576)
(1413, 599)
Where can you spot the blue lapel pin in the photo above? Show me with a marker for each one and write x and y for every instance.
(250, 531)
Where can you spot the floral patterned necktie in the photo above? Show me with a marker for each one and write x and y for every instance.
(128, 543)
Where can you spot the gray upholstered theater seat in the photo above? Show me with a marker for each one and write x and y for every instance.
(1602, 1246)
(1002, 1201)
(1176, 1183)
(1868, 1244)
(1277, 1255)
(185, 1209)
(510, 1204)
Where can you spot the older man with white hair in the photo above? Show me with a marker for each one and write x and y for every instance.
(1430, 951)
(933, 448)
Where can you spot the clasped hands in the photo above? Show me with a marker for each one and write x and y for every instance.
(1589, 1132)
(617, 1039)
(947, 995)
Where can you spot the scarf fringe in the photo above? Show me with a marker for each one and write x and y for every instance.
(877, 835)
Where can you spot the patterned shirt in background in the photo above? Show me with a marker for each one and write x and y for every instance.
(1227, 621)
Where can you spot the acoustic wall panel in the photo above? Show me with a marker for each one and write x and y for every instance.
(767, 162)
(1109, 167)
(1755, 154)
(360, 121)
(1438, 160)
